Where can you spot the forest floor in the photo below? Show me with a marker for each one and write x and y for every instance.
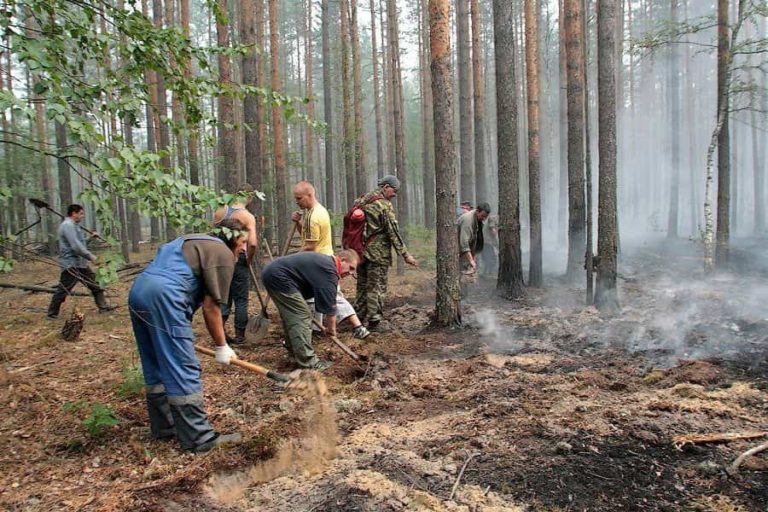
(538, 404)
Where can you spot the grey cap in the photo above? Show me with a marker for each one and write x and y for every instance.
(485, 207)
(390, 180)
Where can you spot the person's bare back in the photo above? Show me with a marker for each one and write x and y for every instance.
(242, 214)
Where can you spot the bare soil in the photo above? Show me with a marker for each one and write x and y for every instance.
(549, 405)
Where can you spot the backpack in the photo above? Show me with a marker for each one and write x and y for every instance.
(353, 236)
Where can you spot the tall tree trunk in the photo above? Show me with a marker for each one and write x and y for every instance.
(376, 95)
(361, 174)
(447, 310)
(562, 203)
(278, 142)
(249, 67)
(386, 74)
(510, 282)
(162, 134)
(758, 168)
(606, 294)
(310, 93)
(65, 181)
(229, 176)
(589, 254)
(328, 108)
(150, 79)
(349, 135)
(397, 114)
(535, 276)
(192, 138)
(427, 119)
(481, 172)
(674, 107)
(466, 157)
(723, 138)
(575, 67)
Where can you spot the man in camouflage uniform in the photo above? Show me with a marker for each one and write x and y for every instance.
(381, 235)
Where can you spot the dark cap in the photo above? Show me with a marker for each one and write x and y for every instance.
(466, 203)
(390, 180)
(485, 207)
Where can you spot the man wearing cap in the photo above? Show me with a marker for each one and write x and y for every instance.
(382, 234)
(470, 231)
(463, 208)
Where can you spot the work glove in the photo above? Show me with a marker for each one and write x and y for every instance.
(225, 354)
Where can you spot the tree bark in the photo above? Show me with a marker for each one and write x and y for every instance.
(328, 108)
(606, 294)
(427, 119)
(192, 138)
(723, 137)
(249, 68)
(361, 173)
(510, 282)
(309, 92)
(347, 113)
(481, 172)
(447, 310)
(397, 114)
(535, 276)
(674, 107)
(464, 63)
(278, 143)
(575, 92)
(65, 181)
(376, 95)
(229, 165)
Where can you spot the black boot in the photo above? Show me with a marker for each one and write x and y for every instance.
(239, 338)
(160, 417)
(101, 302)
(193, 430)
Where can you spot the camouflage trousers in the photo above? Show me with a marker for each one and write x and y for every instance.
(371, 291)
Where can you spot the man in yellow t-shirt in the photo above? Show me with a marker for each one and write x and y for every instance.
(314, 225)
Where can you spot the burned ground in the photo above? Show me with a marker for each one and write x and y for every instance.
(554, 406)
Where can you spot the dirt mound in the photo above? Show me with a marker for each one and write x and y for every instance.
(693, 372)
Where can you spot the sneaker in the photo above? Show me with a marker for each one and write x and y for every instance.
(219, 440)
(51, 317)
(360, 332)
(107, 309)
(237, 340)
(321, 365)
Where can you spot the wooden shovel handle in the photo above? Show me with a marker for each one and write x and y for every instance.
(248, 366)
(258, 292)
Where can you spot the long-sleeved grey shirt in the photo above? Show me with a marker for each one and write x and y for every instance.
(73, 251)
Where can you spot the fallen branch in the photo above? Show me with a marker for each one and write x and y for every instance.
(680, 441)
(461, 473)
(42, 289)
(734, 468)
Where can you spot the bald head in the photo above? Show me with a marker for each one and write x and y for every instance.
(304, 194)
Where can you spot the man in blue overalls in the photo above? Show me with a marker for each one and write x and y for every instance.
(191, 271)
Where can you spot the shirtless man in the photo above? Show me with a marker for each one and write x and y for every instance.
(238, 291)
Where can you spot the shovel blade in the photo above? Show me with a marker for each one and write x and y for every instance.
(257, 328)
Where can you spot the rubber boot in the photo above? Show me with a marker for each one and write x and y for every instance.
(192, 426)
(101, 302)
(160, 417)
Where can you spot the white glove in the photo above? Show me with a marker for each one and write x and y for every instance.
(224, 354)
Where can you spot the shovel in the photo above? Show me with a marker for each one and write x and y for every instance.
(277, 377)
(344, 348)
(258, 325)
